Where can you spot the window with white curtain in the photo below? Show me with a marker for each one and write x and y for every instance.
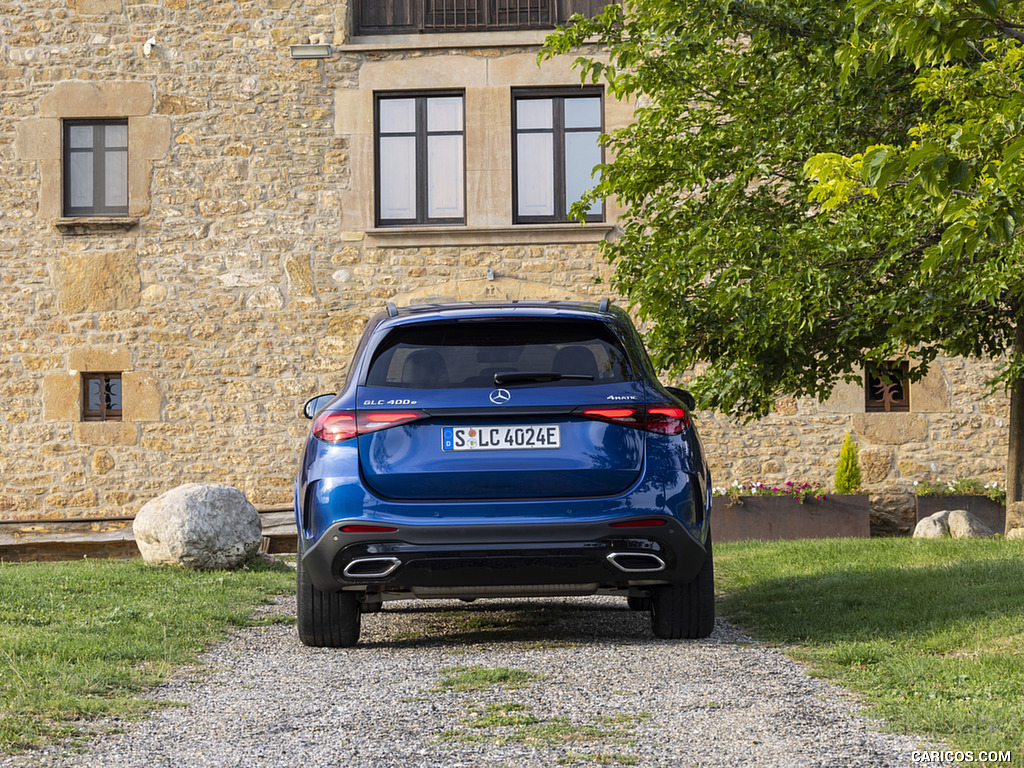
(555, 151)
(420, 158)
(95, 167)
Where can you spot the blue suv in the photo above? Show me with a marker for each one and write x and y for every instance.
(502, 450)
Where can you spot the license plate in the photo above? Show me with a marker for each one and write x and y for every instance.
(500, 438)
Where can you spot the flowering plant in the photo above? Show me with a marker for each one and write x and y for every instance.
(965, 486)
(800, 491)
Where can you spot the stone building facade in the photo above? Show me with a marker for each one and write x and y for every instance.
(244, 248)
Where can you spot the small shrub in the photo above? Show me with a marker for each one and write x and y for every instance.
(848, 469)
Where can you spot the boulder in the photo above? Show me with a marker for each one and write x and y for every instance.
(203, 527)
(964, 525)
(933, 526)
(958, 523)
(1015, 533)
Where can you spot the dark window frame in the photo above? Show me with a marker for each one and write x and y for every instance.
(98, 150)
(105, 412)
(559, 96)
(421, 135)
(399, 17)
(887, 390)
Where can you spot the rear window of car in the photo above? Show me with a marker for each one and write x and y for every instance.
(468, 353)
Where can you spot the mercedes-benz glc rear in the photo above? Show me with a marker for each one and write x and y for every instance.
(502, 450)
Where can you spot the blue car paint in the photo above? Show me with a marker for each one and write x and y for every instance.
(333, 485)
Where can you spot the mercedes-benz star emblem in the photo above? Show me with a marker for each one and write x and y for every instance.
(500, 396)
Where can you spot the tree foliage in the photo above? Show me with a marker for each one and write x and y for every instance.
(811, 185)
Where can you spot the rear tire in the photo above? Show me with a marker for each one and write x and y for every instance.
(325, 619)
(686, 611)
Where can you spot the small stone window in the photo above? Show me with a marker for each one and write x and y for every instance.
(101, 397)
(95, 167)
(887, 388)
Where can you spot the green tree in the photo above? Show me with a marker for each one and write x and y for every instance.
(812, 186)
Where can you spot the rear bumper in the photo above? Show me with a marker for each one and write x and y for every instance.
(573, 556)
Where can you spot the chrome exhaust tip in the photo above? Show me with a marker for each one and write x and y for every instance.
(371, 567)
(636, 562)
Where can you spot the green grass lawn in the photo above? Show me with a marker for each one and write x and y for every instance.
(931, 632)
(81, 640)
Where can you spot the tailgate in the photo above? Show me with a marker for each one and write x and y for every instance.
(531, 443)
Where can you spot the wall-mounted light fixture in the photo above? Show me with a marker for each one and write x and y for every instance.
(310, 51)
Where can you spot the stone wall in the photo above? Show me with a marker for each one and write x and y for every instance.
(238, 284)
(232, 292)
(960, 431)
(955, 429)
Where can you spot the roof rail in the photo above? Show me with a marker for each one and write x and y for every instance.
(605, 303)
(392, 309)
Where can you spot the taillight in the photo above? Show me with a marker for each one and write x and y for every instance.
(383, 419)
(663, 419)
(667, 420)
(333, 427)
(630, 417)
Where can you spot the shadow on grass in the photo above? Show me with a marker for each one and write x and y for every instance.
(869, 601)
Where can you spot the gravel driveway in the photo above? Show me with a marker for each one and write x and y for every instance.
(587, 685)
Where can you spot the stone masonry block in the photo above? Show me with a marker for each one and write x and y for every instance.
(37, 138)
(930, 394)
(61, 396)
(91, 282)
(96, 7)
(99, 358)
(92, 98)
(141, 395)
(846, 397)
(889, 428)
(106, 433)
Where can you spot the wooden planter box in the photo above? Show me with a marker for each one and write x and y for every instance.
(991, 513)
(771, 518)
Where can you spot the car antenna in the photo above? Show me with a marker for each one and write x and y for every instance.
(605, 303)
(392, 309)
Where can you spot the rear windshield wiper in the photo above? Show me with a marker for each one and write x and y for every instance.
(523, 377)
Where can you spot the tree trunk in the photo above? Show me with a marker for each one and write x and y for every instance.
(1015, 452)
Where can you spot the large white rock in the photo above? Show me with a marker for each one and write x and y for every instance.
(204, 527)
(958, 523)
(933, 527)
(964, 525)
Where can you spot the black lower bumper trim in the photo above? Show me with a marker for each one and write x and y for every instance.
(611, 561)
